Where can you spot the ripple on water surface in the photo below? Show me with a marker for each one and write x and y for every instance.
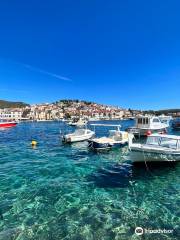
(68, 192)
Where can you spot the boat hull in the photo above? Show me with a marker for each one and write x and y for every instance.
(71, 139)
(76, 125)
(7, 125)
(176, 126)
(102, 146)
(150, 156)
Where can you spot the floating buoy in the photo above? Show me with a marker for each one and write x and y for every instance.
(33, 143)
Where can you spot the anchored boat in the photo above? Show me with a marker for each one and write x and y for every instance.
(147, 125)
(4, 124)
(116, 138)
(79, 123)
(176, 124)
(78, 136)
(158, 148)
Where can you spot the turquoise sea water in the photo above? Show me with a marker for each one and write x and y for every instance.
(57, 191)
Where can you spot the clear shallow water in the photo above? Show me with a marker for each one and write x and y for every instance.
(66, 192)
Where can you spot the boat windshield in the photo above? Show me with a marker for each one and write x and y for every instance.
(153, 140)
(163, 142)
(116, 135)
(79, 132)
(169, 143)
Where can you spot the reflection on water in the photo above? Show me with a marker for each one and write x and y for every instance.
(58, 191)
(124, 174)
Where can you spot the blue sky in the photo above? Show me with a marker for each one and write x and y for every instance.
(118, 52)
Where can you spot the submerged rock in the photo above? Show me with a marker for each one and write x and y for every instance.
(10, 234)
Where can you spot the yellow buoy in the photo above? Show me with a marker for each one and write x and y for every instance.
(33, 143)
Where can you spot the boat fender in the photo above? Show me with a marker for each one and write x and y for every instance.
(148, 133)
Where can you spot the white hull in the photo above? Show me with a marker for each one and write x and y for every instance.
(78, 124)
(81, 138)
(158, 148)
(74, 137)
(140, 156)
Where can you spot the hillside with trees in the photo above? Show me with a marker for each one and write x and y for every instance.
(9, 104)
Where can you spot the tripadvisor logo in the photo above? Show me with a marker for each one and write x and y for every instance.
(139, 231)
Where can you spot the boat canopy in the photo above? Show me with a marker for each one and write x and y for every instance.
(80, 131)
(165, 136)
(146, 120)
(105, 125)
(118, 126)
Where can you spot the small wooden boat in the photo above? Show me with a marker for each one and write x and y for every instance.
(78, 136)
(158, 148)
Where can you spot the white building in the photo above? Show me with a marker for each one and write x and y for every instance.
(11, 114)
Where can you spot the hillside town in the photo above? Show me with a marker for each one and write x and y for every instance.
(68, 110)
(65, 109)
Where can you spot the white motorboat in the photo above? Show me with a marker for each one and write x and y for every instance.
(147, 125)
(78, 136)
(116, 138)
(79, 123)
(158, 148)
(93, 119)
(165, 119)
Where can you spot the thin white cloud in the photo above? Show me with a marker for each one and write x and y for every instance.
(39, 70)
(45, 72)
